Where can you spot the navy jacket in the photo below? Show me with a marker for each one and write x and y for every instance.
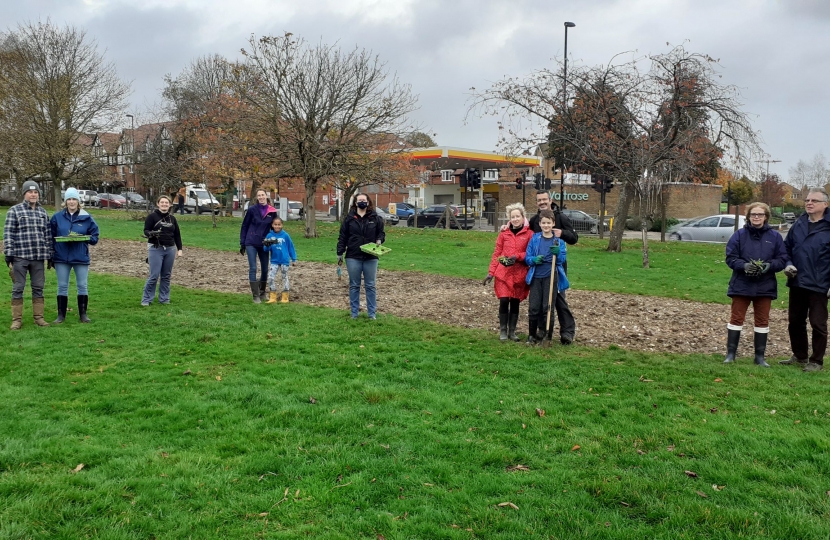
(752, 244)
(810, 253)
(356, 231)
(62, 223)
(255, 227)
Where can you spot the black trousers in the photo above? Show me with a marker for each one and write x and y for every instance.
(537, 304)
(567, 323)
(806, 304)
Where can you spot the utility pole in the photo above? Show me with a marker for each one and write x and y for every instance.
(768, 161)
(564, 110)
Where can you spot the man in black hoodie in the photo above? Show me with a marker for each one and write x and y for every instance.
(565, 231)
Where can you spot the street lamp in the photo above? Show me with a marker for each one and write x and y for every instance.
(132, 152)
(564, 108)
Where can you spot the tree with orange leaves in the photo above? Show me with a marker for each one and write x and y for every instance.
(642, 126)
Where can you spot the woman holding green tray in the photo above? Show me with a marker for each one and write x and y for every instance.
(69, 222)
(361, 226)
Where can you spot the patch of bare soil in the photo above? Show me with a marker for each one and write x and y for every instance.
(631, 322)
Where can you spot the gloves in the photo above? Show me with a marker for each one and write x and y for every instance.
(790, 271)
(9, 260)
(489, 278)
(828, 293)
(49, 264)
(751, 270)
(538, 259)
(340, 260)
(242, 250)
(507, 261)
(765, 268)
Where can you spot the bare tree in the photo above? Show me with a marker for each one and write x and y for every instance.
(812, 173)
(61, 88)
(635, 120)
(321, 110)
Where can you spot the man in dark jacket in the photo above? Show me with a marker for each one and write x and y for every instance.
(564, 230)
(27, 243)
(809, 280)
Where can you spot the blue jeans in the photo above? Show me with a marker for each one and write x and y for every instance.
(254, 253)
(369, 270)
(161, 268)
(81, 278)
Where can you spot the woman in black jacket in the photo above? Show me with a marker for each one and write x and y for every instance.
(361, 226)
(164, 244)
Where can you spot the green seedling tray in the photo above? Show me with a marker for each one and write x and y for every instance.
(76, 238)
(374, 249)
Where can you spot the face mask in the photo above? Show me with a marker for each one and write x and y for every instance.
(362, 205)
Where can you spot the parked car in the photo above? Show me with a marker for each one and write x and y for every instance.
(295, 209)
(582, 222)
(88, 196)
(404, 210)
(134, 199)
(706, 229)
(388, 219)
(111, 200)
(430, 215)
(788, 217)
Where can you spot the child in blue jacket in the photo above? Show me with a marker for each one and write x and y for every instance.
(281, 248)
(539, 257)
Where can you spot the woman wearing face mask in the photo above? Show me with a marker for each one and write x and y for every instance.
(255, 226)
(69, 256)
(164, 244)
(361, 226)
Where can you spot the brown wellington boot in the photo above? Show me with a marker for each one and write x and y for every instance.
(272, 298)
(284, 299)
(17, 313)
(37, 312)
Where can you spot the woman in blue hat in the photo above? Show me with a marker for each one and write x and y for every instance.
(73, 220)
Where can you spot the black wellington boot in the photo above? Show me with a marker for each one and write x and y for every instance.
(733, 337)
(760, 348)
(255, 291)
(532, 326)
(263, 291)
(512, 321)
(63, 301)
(502, 326)
(83, 304)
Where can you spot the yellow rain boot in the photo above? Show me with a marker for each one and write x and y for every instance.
(272, 298)
(284, 299)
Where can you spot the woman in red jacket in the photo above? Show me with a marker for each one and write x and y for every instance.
(509, 270)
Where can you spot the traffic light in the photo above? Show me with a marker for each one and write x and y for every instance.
(608, 184)
(463, 178)
(599, 184)
(473, 178)
(538, 181)
(519, 182)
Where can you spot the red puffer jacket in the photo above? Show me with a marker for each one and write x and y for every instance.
(510, 280)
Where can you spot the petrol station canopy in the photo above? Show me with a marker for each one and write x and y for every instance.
(450, 157)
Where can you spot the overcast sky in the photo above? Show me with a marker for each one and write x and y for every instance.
(776, 51)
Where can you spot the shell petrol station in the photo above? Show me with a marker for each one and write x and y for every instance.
(443, 176)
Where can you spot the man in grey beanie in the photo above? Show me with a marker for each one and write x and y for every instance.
(27, 243)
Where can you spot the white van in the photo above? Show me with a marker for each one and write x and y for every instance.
(197, 199)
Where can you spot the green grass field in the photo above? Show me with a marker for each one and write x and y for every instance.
(195, 420)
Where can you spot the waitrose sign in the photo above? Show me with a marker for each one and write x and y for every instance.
(570, 196)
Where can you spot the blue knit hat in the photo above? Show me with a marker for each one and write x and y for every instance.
(71, 193)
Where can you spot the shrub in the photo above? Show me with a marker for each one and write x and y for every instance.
(634, 224)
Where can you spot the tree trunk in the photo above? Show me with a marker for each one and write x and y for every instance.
(347, 195)
(615, 238)
(644, 229)
(310, 212)
(663, 204)
(56, 188)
